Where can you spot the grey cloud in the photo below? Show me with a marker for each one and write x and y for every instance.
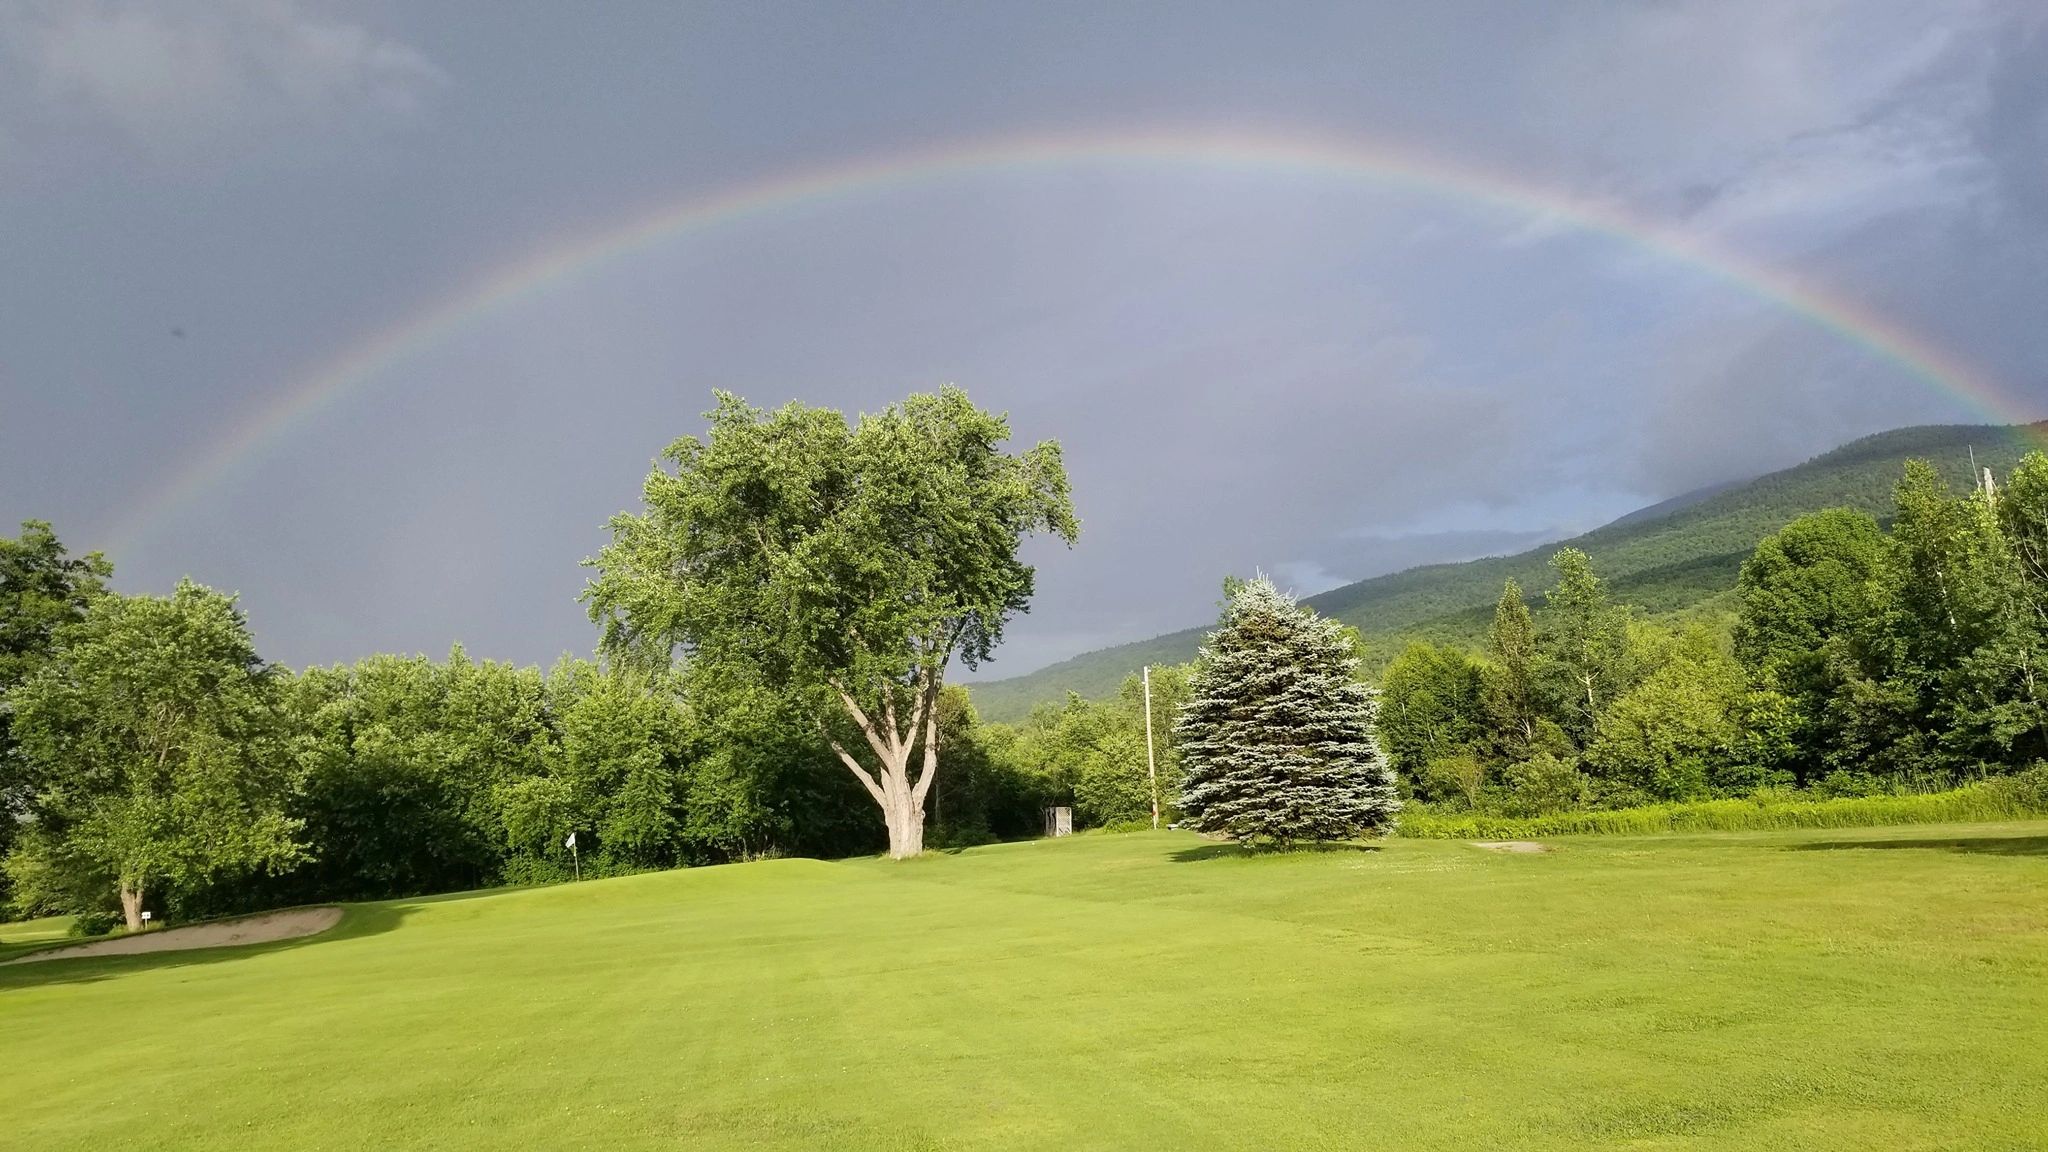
(1250, 367)
(173, 76)
(1757, 114)
(2014, 129)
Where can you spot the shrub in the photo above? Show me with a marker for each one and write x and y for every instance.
(1542, 784)
(96, 923)
(1460, 778)
(2028, 789)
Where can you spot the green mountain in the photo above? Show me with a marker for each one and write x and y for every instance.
(1678, 556)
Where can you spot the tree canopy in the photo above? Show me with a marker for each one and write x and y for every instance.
(163, 753)
(42, 589)
(844, 565)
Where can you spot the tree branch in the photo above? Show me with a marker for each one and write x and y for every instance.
(928, 718)
(860, 717)
(889, 715)
(847, 758)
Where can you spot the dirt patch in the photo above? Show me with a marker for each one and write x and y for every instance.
(1510, 846)
(261, 929)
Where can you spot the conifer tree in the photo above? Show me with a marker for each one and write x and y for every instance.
(1276, 738)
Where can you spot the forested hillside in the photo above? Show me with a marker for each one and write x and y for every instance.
(1674, 557)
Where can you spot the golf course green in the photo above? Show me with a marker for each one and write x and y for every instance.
(1880, 989)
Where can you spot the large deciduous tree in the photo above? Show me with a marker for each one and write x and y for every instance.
(845, 565)
(1805, 600)
(1583, 647)
(1511, 702)
(1432, 707)
(41, 589)
(160, 752)
(1276, 737)
(1675, 736)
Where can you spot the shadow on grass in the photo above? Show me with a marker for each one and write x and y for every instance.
(1231, 850)
(356, 920)
(1975, 845)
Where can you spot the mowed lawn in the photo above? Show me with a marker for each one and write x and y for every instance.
(21, 936)
(1840, 989)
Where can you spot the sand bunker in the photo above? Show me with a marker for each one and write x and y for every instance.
(1510, 846)
(261, 929)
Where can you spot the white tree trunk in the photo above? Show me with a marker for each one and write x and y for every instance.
(906, 823)
(900, 798)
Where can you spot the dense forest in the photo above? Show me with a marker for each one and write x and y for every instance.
(150, 759)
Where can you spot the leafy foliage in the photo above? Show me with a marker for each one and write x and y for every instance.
(842, 566)
(1432, 706)
(42, 589)
(1675, 735)
(1583, 659)
(159, 745)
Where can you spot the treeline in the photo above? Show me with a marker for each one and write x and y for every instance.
(1859, 660)
(150, 759)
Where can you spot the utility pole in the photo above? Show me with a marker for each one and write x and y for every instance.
(1151, 766)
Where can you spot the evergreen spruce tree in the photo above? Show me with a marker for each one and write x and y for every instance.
(1276, 738)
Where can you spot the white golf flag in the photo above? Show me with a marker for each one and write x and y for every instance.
(570, 843)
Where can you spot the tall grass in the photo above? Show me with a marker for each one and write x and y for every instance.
(2010, 798)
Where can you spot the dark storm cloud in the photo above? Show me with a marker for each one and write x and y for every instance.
(1249, 369)
(2014, 130)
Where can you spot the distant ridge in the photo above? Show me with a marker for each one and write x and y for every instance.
(1677, 556)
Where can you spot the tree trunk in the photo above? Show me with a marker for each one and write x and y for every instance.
(901, 801)
(131, 905)
(906, 824)
(903, 812)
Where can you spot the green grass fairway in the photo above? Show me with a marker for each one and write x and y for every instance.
(1828, 989)
(35, 931)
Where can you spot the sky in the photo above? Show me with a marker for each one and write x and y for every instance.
(214, 213)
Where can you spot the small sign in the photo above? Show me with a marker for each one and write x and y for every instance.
(570, 843)
(146, 916)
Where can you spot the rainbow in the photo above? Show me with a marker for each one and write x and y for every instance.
(367, 360)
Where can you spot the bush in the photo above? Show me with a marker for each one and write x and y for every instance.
(1843, 783)
(1112, 791)
(1459, 778)
(1543, 784)
(2028, 789)
(949, 836)
(95, 923)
